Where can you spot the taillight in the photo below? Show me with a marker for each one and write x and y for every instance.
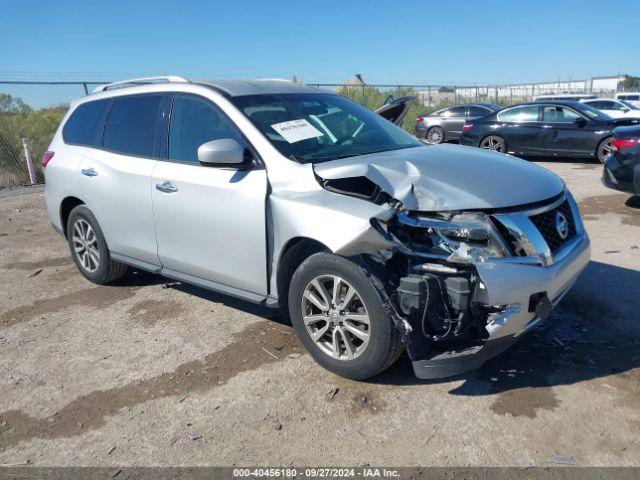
(419, 119)
(622, 144)
(467, 127)
(46, 158)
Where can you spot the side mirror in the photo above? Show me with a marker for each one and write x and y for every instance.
(580, 121)
(223, 152)
(625, 109)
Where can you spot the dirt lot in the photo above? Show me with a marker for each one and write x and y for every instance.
(153, 372)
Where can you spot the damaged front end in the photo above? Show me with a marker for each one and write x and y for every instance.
(469, 262)
(465, 285)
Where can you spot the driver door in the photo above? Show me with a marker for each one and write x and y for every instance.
(210, 221)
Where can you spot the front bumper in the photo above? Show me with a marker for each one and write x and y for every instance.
(511, 286)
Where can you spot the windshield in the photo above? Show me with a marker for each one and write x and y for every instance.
(592, 112)
(630, 105)
(313, 128)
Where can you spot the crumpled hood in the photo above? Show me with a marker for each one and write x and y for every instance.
(449, 177)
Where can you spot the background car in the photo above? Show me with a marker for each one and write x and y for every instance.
(563, 96)
(446, 124)
(571, 129)
(631, 97)
(622, 166)
(614, 108)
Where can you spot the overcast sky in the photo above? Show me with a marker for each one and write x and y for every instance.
(446, 42)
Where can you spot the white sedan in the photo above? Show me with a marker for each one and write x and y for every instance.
(614, 108)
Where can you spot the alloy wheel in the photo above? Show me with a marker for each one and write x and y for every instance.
(605, 149)
(493, 143)
(335, 317)
(85, 245)
(435, 135)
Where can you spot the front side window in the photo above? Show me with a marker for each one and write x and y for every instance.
(559, 115)
(85, 124)
(131, 125)
(312, 128)
(519, 114)
(613, 106)
(195, 121)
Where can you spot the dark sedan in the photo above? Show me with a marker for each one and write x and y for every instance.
(446, 124)
(622, 166)
(553, 128)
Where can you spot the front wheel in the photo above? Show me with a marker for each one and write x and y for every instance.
(342, 317)
(604, 148)
(494, 143)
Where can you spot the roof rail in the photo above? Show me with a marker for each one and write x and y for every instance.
(143, 81)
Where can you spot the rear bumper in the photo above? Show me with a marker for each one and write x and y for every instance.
(622, 177)
(468, 140)
(512, 286)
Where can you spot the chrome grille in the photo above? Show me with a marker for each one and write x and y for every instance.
(546, 224)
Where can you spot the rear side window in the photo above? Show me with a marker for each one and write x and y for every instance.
(131, 125)
(458, 111)
(519, 114)
(478, 111)
(85, 124)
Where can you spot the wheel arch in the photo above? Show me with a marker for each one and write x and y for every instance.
(293, 253)
(68, 204)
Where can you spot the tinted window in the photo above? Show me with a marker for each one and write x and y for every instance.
(613, 106)
(131, 125)
(519, 114)
(196, 121)
(558, 115)
(458, 111)
(85, 123)
(478, 111)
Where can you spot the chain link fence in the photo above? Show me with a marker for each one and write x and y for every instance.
(30, 112)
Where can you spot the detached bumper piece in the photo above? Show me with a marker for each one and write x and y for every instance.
(456, 362)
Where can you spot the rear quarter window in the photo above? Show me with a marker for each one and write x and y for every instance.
(85, 123)
(131, 125)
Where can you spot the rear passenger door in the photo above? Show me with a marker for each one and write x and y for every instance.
(210, 221)
(522, 128)
(453, 120)
(116, 177)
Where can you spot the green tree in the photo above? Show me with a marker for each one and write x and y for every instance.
(629, 84)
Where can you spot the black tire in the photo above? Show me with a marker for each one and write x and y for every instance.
(434, 135)
(107, 270)
(604, 147)
(384, 345)
(494, 143)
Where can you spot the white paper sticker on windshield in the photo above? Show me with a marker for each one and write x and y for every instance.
(296, 130)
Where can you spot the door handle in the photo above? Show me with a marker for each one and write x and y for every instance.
(547, 126)
(89, 172)
(166, 187)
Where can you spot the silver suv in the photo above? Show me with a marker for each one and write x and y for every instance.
(292, 197)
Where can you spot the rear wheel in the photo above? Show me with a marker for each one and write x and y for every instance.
(89, 248)
(434, 135)
(604, 148)
(342, 317)
(494, 143)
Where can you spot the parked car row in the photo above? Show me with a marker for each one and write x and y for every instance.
(567, 128)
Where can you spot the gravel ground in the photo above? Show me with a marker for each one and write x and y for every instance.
(153, 372)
